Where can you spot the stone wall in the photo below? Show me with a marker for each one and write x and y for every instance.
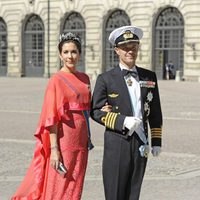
(94, 12)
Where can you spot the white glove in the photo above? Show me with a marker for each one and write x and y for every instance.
(132, 123)
(156, 150)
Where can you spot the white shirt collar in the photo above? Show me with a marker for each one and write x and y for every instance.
(123, 67)
(132, 69)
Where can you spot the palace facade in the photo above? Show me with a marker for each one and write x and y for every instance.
(30, 29)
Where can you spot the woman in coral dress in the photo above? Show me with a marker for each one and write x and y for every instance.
(62, 135)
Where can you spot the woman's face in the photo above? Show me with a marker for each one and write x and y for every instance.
(70, 54)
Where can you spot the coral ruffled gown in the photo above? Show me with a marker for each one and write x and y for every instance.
(66, 101)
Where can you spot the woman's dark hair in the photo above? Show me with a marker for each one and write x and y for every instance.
(69, 37)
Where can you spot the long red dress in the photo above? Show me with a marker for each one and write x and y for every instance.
(66, 100)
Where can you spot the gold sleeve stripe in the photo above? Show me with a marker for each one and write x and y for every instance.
(107, 120)
(156, 132)
(153, 133)
(103, 119)
(156, 129)
(114, 119)
(156, 136)
(110, 120)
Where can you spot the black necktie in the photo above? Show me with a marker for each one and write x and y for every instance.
(126, 72)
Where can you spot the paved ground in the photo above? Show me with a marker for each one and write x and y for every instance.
(175, 175)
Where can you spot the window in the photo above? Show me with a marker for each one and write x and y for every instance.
(33, 48)
(169, 32)
(3, 48)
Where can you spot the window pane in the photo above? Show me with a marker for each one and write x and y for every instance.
(169, 32)
(3, 48)
(34, 46)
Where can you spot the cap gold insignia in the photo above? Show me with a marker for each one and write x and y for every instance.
(113, 95)
(128, 35)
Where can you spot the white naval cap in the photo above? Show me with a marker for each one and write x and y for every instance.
(125, 34)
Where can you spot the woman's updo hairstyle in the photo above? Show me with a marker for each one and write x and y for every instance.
(69, 37)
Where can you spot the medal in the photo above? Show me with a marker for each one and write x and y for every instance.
(147, 108)
(129, 82)
(146, 153)
(149, 96)
(144, 150)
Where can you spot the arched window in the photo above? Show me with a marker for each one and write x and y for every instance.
(3, 48)
(169, 32)
(114, 20)
(33, 47)
(74, 23)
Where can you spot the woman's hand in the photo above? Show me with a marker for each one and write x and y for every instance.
(106, 108)
(55, 157)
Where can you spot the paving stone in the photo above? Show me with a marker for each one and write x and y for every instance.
(174, 175)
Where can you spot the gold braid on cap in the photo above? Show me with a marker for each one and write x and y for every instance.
(128, 35)
(69, 36)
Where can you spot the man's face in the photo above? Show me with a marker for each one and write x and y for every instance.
(127, 53)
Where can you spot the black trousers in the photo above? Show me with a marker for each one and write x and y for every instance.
(123, 168)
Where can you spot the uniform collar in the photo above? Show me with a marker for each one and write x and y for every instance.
(123, 67)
